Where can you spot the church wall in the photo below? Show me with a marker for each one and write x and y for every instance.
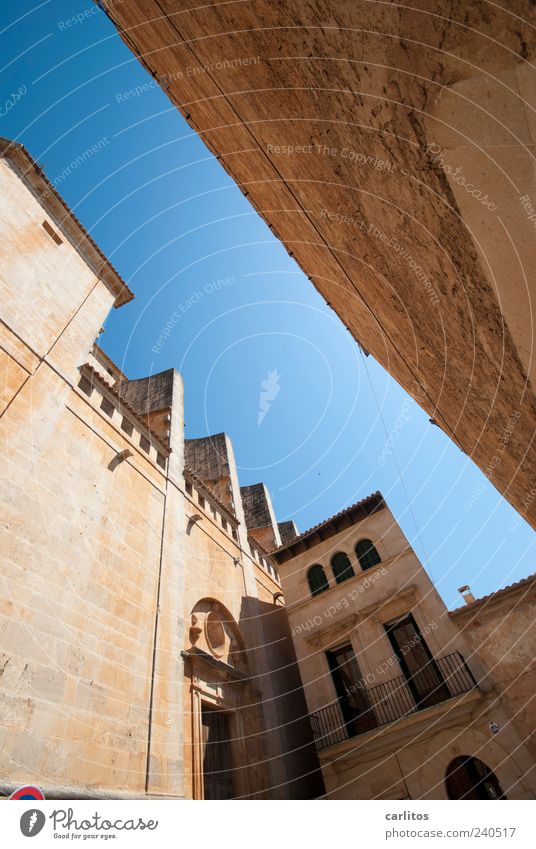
(79, 578)
(34, 306)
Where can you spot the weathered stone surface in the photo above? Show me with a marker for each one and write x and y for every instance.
(207, 457)
(260, 516)
(102, 566)
(390, 148)
(149, 393)
(287, 531)
(501, 630)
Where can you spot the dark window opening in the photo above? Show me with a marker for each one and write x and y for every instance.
(342, 568)
(354, 700)
(316, 577)
(367, 554)
(161, 460)
(107, 407)
(85, 386)
(469, 778)
(145, 445)
(416, 662)
(127, 426)
(52, 233)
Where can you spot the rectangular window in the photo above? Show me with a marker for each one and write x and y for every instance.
(52, 233)
(161, 460)
(416, 662)
(85, 386)
(145, 445)
(127, 426)
(354, 701)
(107, 407)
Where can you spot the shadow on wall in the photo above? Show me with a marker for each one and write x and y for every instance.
(288, 731)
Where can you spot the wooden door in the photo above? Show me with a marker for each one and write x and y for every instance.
(217, 755)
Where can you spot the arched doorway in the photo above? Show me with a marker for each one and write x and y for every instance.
(224, 741)
(470, 778)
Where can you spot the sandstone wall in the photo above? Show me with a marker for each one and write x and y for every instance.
(391, 149)
(501, 630)
(108, 550)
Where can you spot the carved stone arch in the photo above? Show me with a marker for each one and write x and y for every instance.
(215, 632)
(428, 781)
(225, 728)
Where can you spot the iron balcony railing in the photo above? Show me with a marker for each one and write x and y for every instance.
(367, 708)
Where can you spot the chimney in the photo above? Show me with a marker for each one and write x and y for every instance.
(466, 594)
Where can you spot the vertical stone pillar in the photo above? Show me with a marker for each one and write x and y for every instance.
(165, 765)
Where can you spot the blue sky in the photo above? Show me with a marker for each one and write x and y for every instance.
(197, 255)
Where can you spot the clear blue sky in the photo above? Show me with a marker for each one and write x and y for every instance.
(173, 223)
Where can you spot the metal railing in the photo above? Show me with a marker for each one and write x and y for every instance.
(441, 679)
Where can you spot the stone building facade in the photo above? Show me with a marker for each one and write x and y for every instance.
(407, 700)
(145, 646)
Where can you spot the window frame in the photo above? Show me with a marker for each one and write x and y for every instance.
(370, 551)
(325, 583)
(349, 568)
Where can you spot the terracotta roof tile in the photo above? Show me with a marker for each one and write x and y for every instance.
(528, 581)
(375, 496)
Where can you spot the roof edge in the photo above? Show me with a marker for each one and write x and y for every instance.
(93, 375)
(33, 174)
(528, 583)
(329, 527)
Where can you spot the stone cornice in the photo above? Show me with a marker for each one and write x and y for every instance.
(325, 636)
(525, 588)
(393, 736)
(196, 655)
(91, 374)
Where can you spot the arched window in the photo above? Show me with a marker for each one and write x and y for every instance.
(318, 582)
(469, 778)
(367, 554)
(342, 568)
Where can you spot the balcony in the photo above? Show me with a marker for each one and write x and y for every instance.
(443, 679)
